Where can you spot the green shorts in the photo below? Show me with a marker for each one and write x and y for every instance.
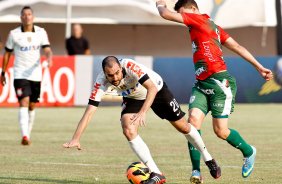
(215, 94)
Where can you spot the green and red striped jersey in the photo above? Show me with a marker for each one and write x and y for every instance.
(207, 39)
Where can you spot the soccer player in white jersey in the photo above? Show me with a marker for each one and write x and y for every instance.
(26, 41)
(141, 89)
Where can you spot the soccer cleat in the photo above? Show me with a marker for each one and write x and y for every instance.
(215, 170)
(155, 178)
(249, 163)
(25, 141)
(196, 177)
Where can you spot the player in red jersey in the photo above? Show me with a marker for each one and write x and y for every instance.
(214, 88)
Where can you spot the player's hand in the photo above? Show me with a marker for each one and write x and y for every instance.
(266, 73)
(3, 80)
(72, 144)
(138, 118)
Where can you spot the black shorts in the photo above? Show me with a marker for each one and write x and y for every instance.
(26, 88)
(165, 106)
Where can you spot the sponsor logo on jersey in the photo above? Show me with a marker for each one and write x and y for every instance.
(200, 70)
(208, 50)
(207, 91)
(95, 90)
(30, 48)
(194, 47)
(217, 105)
(135, 68)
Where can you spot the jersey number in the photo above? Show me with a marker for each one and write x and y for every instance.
(174, 105)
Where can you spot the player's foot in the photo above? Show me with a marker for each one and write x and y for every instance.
(155, 178)
(249, 163)
(196, 177)
(25, 141)
(215, 170)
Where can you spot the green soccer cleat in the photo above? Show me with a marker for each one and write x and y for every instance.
(249, 163)
(196, 177)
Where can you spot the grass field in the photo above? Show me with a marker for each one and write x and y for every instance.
(106, 154)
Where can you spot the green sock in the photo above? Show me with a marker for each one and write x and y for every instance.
(195, 156)
(238, 142)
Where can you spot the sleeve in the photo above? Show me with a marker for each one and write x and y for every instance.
(10, 43)
(44, 39)
(97, 92)
(189, 19)
(223, 35)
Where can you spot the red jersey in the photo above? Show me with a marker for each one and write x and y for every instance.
(207, 39)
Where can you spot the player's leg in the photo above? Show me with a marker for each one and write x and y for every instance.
(130, 131)
(23, 92)
(198, 108)
(34, 98)
(166, 107)
(234, 138)
(222, 104)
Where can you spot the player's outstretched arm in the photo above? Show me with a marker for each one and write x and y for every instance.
(231, 44)
(167, 14)
(83, 123)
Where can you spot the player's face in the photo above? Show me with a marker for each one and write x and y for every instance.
(27, 17)
(114, 74)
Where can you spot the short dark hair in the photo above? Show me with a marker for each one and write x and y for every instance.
(26, 8)
(109, 61)
(185, 3)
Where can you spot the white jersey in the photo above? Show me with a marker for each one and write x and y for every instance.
(129, 85)
(26, 46)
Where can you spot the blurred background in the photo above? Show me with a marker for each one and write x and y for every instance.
(133, 28)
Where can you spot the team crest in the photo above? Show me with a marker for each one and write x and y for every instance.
(29, 39)
(192, 99)
(19, 92)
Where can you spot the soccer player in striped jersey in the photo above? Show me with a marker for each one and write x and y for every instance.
(141, 89)
(215, 88)
(26, 42)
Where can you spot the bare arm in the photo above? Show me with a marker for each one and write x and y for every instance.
(151, 94)
(167, 14)
(5, 62)
(231, 44)
(83, 123)
(49, 55)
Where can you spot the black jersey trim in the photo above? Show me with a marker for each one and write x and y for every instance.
(44, 46)
(93, 102)
(9, 50)
(143, 79)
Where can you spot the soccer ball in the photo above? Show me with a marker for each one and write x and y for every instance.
(137, 173)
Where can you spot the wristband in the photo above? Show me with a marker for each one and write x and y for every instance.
(2, 73)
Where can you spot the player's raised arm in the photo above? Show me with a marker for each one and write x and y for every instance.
(167, 14)
(231, 44)
(83, 123)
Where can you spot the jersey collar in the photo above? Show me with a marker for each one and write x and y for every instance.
(22, 28)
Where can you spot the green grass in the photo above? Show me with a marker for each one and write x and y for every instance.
(106, 154)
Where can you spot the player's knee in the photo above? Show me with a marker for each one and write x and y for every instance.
(194, 120)
(222, 134)
(129, 133)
